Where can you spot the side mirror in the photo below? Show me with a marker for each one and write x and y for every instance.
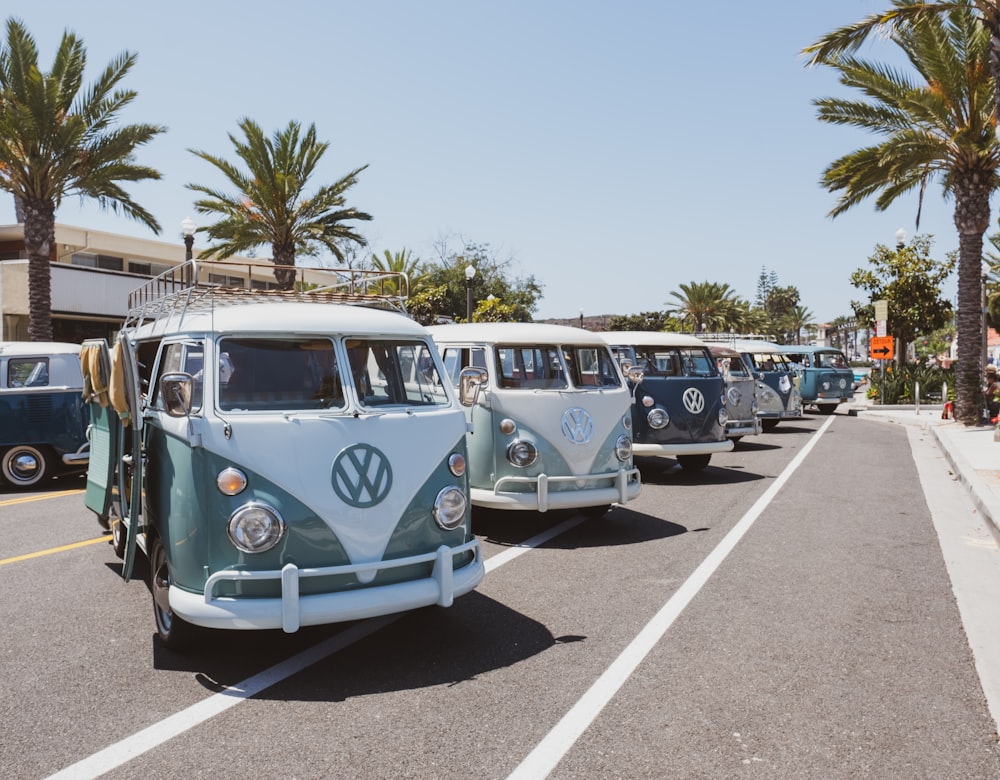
(175, 389)
(470, 382)
(635, 375)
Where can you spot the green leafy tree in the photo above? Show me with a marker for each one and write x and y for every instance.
(942, 128)
(656, 321)
(939, 125)
(270, 204)
(910, 281)
(58, 139)
(445, 282)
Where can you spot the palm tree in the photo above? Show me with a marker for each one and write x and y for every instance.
(270, 205)
(400, 263)
(798, 318)
(705, 305)
(942, 128)
(58, 140)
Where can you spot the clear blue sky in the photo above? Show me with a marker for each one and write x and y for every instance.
(612, 150)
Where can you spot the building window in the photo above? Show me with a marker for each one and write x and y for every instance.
(107, 262)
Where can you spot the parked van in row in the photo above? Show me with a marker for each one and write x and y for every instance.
(274, 454)
(549, 416)
(680, 404)
(43, 417)
(778, 396)
(826, 378)
(741, 396)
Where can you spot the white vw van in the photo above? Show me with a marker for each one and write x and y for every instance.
(549, 412)
(274, 455)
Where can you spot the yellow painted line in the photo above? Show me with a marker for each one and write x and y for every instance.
(42, 497)
(53, 550)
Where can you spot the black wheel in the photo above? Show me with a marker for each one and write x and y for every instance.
(24, 465)
(119, 533)
(595, 511)
(769, 424)
(693, 462)
(175, 633)
(826, 408)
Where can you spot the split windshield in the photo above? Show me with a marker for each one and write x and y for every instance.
(306, 373)
(675, 361)
(552, 367)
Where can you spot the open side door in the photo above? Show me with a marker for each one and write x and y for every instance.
(104, 430)
(124, 395)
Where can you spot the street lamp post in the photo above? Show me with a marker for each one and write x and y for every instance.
(187, 230)
(470, 274)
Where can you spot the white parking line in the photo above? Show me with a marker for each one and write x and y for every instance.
(549, 752)
(153, 736)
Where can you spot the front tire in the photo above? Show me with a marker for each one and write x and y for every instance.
(119, 533)
(23, 465)
(769, 424)
(174, 632)
(693, 462)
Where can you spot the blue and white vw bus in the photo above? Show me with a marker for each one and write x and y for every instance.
(43, 417)
(826, 378)
(680, 404)
(778, 395)
(549, 416)
(274, 455)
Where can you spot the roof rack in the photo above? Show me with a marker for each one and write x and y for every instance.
(201, 285)
(731, 337)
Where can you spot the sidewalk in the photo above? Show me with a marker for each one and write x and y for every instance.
(972, 452)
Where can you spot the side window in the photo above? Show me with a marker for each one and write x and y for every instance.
(457, 358)
(187, 358)
(28, 372)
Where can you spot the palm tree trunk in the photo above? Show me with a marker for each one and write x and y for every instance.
(972, 218)
(39, 241)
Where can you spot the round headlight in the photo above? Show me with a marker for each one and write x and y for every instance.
(255, 528)
(231, 481)
(449, 508)
(456, 464)
(522, 453)
(507, 426)
(658, 418)
(623, 448)
(826, 385)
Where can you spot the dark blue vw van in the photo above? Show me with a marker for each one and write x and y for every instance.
(679, 406)
(43, 415)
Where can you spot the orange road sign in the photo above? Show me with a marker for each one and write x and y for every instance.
(881, 348)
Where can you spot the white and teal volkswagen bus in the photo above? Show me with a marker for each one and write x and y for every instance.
(274, 455)
(549, 414)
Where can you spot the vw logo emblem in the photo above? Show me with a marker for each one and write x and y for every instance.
(362, 476)
(734, 396)
(577, 425)
(694, 401)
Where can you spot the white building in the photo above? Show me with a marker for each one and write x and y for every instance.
(92, 275)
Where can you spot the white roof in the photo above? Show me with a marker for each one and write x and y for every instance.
(513, 333)
(753, 345)
(22, 348)
(288, 317)
(651, 338)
